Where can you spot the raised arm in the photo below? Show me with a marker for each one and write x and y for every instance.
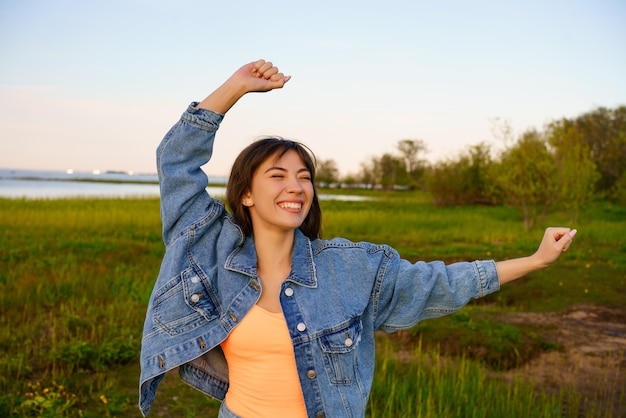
(258, 76)
(555, 241)
(189, 144)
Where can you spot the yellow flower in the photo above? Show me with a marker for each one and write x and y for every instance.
(104, 399)
(586, 290)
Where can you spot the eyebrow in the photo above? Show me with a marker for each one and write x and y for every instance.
(303, 169)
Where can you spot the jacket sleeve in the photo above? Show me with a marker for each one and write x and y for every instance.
(407, 293)
(184, 149)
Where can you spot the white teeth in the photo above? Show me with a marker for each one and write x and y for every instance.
(291, 205)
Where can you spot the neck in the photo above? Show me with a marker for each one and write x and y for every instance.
(273, 250)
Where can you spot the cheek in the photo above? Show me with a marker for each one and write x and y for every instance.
(310, 190)
(311, 193)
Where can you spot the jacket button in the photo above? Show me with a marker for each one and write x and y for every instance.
(349, 342)
(195, 279)
(301, 327)
(311, 374)
(195, 298)
(289, 292)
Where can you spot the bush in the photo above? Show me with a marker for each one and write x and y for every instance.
(619, 190)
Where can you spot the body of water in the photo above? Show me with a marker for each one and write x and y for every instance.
(56, 189)
(70, 175)
(32, 184)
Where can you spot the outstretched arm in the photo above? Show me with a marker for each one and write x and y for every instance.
(258, 76)
(554, 242)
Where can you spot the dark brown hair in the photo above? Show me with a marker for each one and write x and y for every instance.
(246, 164)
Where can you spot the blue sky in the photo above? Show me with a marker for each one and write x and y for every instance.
(96, 84)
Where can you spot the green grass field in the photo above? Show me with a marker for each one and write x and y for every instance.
(76, 275)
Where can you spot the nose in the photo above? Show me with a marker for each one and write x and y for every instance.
(294, 185)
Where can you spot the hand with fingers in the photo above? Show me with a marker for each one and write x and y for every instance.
(254, 77)
(555, 241)
(260, 76)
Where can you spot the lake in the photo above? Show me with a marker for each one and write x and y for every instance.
(33, 184)
(38, 184)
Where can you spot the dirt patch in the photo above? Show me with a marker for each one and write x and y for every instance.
(590, 359)
(593, 356)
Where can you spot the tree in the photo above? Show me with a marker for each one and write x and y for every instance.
(445, 183)
(392, 170)
(480, 161)
(461, 181)
(525, 177)
(577, 173)
(370, 172)
(410, 152)
(326, 172)
(603, 133)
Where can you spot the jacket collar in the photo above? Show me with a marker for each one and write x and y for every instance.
(243, 260)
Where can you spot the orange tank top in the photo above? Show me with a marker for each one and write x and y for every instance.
(262, 368)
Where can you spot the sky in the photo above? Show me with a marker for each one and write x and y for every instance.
(95, 85)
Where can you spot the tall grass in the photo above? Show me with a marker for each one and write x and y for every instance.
(75, 278)
(427, 385)
(76, 275)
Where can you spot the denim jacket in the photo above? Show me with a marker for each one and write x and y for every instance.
(337, 294)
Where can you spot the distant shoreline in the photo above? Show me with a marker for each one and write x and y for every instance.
(113, 177)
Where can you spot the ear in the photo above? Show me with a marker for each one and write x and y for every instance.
(246, 199)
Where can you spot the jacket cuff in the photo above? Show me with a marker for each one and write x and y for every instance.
(488, 279)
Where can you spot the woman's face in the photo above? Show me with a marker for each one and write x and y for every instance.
(281, 193)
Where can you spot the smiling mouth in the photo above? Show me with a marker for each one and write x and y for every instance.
(290, 205)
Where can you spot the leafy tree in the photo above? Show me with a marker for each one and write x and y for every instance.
(525, 177)
(601, 131)
(326, 172)
(410, 152)
(577, 173)
(445, 182)
(370, 172)
(477, 175)
(392, 170)
(463, 180)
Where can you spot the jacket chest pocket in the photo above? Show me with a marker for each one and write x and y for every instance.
(339, 351)
(183, 304)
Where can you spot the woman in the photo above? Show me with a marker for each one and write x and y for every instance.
(254, 308)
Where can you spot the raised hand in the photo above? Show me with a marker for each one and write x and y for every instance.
(257, 76)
